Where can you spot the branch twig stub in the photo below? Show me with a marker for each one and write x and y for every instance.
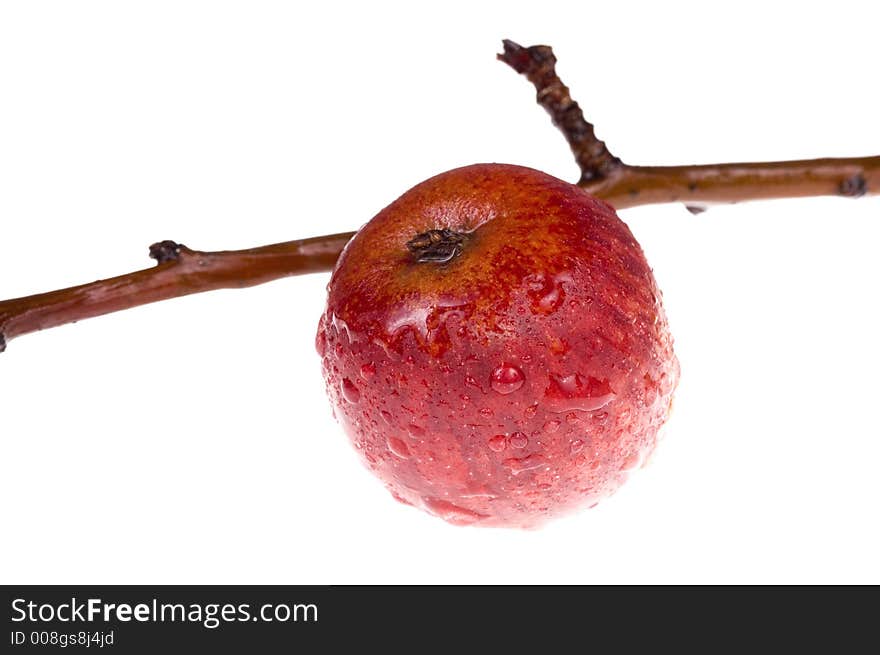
(538, 64)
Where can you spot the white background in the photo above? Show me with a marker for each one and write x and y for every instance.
(191, 442)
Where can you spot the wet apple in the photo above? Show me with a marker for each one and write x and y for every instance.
(495, 347)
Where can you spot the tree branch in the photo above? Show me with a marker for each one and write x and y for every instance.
(622, 185)
(181, 271)
(538, 64)
(631, 186)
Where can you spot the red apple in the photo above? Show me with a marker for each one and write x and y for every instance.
(495, 348)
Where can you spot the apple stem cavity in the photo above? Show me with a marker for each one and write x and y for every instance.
(437, 246)
(181, 271)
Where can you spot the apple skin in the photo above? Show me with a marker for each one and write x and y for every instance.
(521, 379)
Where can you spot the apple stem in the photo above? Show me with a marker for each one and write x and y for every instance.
(438, 246)
(181, 271)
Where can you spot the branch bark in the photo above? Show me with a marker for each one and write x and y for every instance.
(631, 186)
(606, 176)
(538, 64)
(181, 271)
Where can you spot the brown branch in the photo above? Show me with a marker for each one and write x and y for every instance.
(622, 185)
(538, 64)
(181, 271)
(631, 186)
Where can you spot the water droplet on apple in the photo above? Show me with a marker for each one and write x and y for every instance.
(576, 446)
(471, 381)
(551, 300)
(450, 512)
(551, 426)
(350, 392)
(399, 498)
(414, 317)
(557, 346)
(321, 342)
(416, 431)
(518, 440)
(478, 491)
(652, 387)
(368, 370)
(519, 465)
(506, 378)
(497, 443)
(398, 447)
(577, 392)
(386, 416)
(546, 293)
(340, 327)
(486, 412)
